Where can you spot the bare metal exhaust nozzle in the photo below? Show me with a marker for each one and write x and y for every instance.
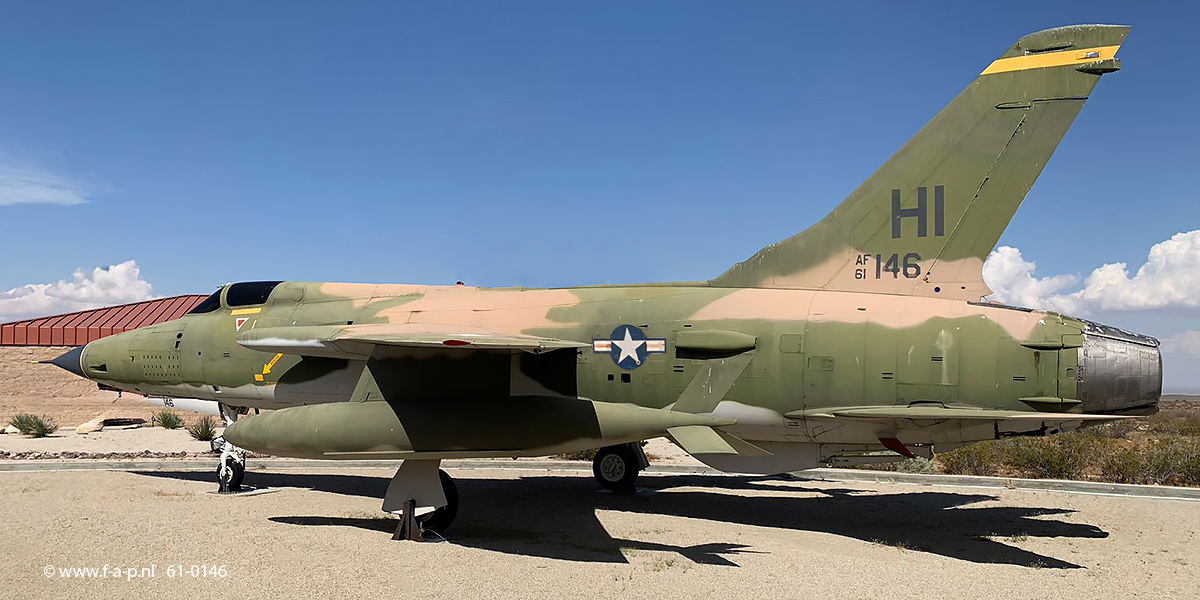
(1119, 372)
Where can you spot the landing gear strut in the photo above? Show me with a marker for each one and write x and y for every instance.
(232, 468)
(616, 467)
(424, 497)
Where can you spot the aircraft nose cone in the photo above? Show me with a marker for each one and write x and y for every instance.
(71, 361)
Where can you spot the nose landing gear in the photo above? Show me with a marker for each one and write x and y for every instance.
(232, 468)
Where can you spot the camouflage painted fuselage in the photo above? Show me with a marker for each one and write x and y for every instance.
(812, 350)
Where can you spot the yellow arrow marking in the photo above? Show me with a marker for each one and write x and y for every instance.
(267, 367)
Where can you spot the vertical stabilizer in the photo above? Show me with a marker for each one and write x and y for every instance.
(926, 220)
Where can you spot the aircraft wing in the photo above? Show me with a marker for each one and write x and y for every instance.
(939, 413)
(358, 341)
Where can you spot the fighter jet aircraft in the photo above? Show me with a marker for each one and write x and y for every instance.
(862, 339)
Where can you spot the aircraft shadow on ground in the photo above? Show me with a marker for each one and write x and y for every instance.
(555, 516)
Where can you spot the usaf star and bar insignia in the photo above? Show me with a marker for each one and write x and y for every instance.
(628, 346)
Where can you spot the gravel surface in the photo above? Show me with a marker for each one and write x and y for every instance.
(320, 534)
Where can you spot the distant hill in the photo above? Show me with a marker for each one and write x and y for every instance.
(1182, 397)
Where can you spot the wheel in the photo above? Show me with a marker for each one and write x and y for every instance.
(439, 520)
(237, 472)
(616, 468)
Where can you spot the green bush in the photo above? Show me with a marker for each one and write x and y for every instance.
(167, 419)
(204, 429)
(33, 425)
(43, 426)
(23, 422)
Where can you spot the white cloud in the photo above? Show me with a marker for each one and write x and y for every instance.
(32, 185)
(1170, 278)
(1012, 280)
(116, 284)
(1187, 343)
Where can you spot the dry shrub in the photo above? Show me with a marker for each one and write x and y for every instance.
(591, 454)
(975, 459)
(1114, 429)
(1082, 455)
(908, 465)
(1062, 456)
(1175, 422)
(577, 455)
(1174, 461)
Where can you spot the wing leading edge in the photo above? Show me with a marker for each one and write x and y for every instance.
(938, 413)
(359, 341)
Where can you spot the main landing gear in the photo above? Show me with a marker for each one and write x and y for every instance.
(425, 498)
(616, 467)
(232, 468)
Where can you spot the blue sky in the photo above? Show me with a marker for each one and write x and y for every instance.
(527, 143)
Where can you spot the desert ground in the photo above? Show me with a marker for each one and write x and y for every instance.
(28, 387)
(527, 532)
(320, 534)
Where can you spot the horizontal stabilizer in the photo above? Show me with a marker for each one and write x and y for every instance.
(743, 447)
(358, 341)
(698, 439)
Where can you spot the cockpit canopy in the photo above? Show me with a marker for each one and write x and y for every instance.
(210, 304)
(248, 293)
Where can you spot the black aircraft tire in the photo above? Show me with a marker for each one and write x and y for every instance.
(236, 476)
(439, 520)
(616, 469)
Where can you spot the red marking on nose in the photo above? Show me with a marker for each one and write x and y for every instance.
(455, 343)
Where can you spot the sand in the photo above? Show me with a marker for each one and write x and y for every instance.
(171, 441)
(47, 390)
(319, 534)
(154, 439)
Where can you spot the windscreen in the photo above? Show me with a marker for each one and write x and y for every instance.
(250, 293)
